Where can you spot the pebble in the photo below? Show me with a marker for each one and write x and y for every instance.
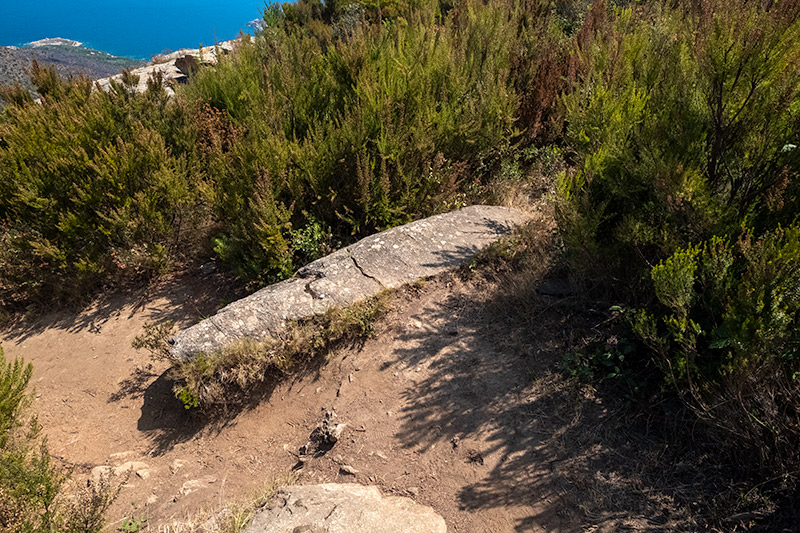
(100, 472)
(176, 465)
(130, 465)
(347, 469)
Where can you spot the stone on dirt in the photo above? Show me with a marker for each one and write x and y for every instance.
(386, 260)
(99, 473)
(196, 484)
(324, 436)
(130, 466)
(344, 508)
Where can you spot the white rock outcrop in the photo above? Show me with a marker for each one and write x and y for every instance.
(344, 508)
(175, 67)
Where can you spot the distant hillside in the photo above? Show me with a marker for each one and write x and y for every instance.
(67, 60)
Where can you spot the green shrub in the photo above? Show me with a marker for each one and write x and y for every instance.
(728, 339)
(682, 121)
(92, 186)
(356, 133)
(679, 118)
(28, 482)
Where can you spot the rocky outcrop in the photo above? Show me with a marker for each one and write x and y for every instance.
(385, 260)
(344, 508)
(175, 67)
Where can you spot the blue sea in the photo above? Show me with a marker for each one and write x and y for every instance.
(134, 28)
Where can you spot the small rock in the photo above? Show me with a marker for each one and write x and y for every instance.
(475, 457)
(100, 472)
(152, 499)
(197, 484)
(347, 469)
(414, 491)
(188, 65)
(143, 474)
(324, 436)
(207, 269)
(558, 288)
(130, 466)
(119, 456)
(176, 465)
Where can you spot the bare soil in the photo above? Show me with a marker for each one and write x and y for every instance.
(458, 402)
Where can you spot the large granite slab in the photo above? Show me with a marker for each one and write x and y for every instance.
(386, 260)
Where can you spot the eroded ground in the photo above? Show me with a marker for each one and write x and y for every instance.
(457, 402)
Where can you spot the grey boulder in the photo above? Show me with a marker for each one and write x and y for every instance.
(386, 260)
(344, 508)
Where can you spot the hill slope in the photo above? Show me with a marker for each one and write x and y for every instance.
(67, 60)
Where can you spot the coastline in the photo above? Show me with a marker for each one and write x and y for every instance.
(68, 57)
(52, 41)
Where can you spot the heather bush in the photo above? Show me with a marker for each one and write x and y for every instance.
(358, 132)
(680, 118)
(93, 185)
(335, 121)
(726, 335)
(683, 120)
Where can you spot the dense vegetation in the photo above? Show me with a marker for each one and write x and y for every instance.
(678, 122)
(684, 122)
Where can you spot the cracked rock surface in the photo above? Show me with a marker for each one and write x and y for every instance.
(344, 508)
(386, 260)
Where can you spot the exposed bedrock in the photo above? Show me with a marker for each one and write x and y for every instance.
(344, 508)
(386, 260)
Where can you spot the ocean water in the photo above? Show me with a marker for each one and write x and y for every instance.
(130, 28)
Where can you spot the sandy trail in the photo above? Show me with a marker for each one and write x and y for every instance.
(450, 404)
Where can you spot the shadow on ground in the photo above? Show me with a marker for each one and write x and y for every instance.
(561, 449)
(181, 298)
(168, 423)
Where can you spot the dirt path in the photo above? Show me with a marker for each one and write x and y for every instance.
(451, 403)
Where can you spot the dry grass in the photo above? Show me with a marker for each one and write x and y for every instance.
(228, 376)
(227, 517)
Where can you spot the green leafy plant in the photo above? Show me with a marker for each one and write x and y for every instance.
(154, 339)
(133, 524)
